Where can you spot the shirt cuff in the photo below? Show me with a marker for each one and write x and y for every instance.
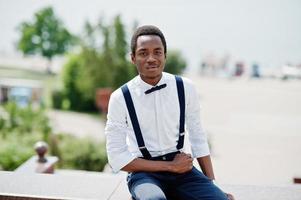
(201, 151)
(120, 160)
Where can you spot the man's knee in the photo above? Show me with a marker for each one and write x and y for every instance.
(148, 191)
(151, 197)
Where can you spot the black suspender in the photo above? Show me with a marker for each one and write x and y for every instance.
(135, 123)
(181, 96)
(134, 120)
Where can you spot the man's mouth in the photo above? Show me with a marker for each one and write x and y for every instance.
(152, 66)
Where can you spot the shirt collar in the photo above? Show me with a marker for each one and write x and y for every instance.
(145, 86)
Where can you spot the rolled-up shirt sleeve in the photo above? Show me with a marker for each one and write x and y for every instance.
(197, 137)
(115, 131)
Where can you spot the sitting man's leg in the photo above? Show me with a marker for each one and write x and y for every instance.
(143, 186)
(195, 185)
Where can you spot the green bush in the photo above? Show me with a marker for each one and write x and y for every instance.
(23, 120)
(97, 64)
(82, 154)
(78, 79)
(15, 149)
(175, 63)
(21, 128)
(13, 155)
(57, 99)
(73, 153)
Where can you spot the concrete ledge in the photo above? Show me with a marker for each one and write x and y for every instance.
(93, 185)
(87, 185)
(240, 192)
(251, 192)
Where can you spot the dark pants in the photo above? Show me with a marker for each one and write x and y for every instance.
(193, 185)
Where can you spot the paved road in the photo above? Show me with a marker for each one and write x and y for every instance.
(254, 128)
(78, 124)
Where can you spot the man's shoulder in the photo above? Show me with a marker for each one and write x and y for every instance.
(188, 81)
(171, 77)
(117, 94)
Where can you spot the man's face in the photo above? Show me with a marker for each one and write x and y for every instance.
(149, 58)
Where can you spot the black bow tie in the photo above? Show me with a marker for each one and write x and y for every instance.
(158, 87)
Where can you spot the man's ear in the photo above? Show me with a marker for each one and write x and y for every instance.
(133, 58)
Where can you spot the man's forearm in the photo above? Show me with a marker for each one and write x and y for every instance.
(139, 164)
(180, 164)
(206, 166)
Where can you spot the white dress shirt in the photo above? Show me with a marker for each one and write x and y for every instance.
(158, 115)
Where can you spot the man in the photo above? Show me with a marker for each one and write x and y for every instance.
(145, 129)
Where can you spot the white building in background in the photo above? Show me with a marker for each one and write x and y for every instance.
(35, 63)
(21, 91)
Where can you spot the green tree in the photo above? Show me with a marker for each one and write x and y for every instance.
(71, 74)
(124, 70)
(175, 63)
(101, 62)
(45, 36)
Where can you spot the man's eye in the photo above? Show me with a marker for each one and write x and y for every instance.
(142, 53)
(158, 53)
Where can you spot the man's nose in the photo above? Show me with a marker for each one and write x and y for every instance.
(151, 58)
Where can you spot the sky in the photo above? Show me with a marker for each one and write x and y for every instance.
(264, 31)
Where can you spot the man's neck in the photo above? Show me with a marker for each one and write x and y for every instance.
(152, 81)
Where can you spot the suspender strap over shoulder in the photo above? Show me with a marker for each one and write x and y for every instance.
(181, 96)
(134, 120)
(135, 123)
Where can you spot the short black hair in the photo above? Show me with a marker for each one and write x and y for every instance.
(147, 30)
